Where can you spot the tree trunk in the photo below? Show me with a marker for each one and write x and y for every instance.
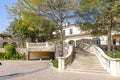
(61, 36)
(110, 34)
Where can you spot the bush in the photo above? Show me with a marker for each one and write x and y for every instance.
(117, 54)
(55, 63)
(18, 56)
(10, 49)
(111, 54)
(11, 53)
(2, 55)
(22, 56)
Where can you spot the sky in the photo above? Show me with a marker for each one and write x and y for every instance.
(4, 20)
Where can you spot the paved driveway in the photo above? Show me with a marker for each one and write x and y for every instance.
(42, 70)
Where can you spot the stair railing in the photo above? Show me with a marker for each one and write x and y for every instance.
(112, 65)
(67, 58)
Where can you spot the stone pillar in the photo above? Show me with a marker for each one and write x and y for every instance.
(115, 68)
(47, 44)
(61, 64)
(27, 44)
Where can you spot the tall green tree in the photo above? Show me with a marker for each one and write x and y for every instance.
(38, 26)
(56, 11)
(106, 20)
(31, 25)
(109, 18)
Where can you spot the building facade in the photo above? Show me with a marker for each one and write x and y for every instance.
(72, 33)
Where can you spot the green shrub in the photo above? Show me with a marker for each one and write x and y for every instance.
(22, 56)
(17, 56)
(55, 63)
(2, 55)
(117, 54)
(10, 49)
(111, 54)
(11, 53)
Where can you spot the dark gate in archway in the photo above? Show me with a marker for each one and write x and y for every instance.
(72, 42)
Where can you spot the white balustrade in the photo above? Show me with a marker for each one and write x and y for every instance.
(67, 59)
(37, 45)
(48, 46)
(112, 65)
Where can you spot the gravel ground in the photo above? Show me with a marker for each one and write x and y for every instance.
(42, 70)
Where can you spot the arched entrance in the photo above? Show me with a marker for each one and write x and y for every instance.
(72, 42)
(4, 44)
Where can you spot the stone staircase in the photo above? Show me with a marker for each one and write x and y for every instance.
(85, 62)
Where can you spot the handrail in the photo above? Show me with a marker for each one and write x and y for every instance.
(67, 59)
(112, 65)
(104, 59)
(65, 48)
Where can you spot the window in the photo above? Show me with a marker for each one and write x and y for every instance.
(71, 31)
(96, 41)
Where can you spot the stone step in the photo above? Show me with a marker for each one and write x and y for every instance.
(88, 62)
(82, 60)
(85, 55)
(90, 69)
(85, 62)
(87, 70)
(86, 67)
(85, 59)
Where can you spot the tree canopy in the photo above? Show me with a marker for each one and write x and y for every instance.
(106, 20)
(38, 18)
